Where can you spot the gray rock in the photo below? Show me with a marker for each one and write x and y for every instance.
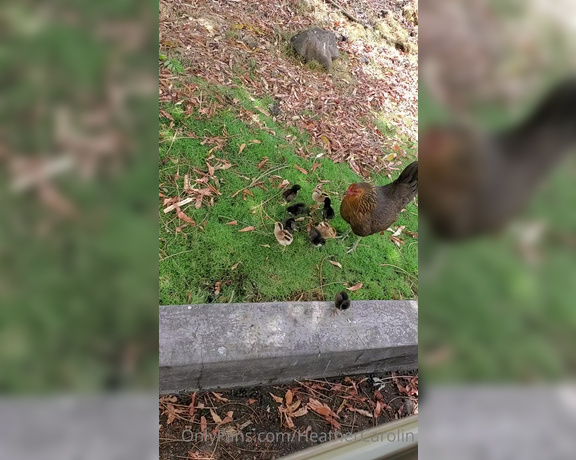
(318, 45)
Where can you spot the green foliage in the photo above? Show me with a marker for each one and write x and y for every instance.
(174, 65)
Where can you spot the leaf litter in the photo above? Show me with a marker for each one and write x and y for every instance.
(344, 405)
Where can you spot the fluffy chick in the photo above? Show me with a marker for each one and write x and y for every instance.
(328, 211)
(290, 194)
(296, 209)
(289, 225)
(318, 195)
(327, 231)
(283, 236)
(316, 238)
(341, 302)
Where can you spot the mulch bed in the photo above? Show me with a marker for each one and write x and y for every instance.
(269, 422)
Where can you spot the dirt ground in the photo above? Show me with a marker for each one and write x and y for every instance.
(263, 423)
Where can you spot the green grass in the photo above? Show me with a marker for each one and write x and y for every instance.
(195, 259)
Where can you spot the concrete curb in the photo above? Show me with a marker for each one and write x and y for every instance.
(233, 345)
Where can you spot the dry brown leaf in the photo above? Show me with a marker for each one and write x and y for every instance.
(184, 217)
(278, 399)
(336, 264)
(219, 397)
(378, 409)
(255, 141)
(172, 413)
(251, 401)
(299, 413)
(356, 287)
(262, 163)
(217, 287)
(215, 417)
(288, 397)
(234, 222)
(242, 147)
(247, 229)
(361, 412)
(302, 170)
(203, 424)
(316, 166)
(235, 266)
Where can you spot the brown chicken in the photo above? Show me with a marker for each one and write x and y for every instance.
(475, 182)
(372, 209)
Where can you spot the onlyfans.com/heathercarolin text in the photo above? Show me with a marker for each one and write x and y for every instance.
(294, 436)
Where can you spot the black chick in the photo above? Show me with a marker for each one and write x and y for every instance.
(328, 211)
(342, 301)
(290, 194)
(316, 238)
(296, 209)
(289, 224)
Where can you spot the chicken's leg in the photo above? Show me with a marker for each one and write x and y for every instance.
(346, 233)
(353, 248)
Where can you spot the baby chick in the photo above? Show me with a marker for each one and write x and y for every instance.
(296, 209)
(342, 301)
(318, 195)
(289, 224)
(290, 194)
(327, 212)
(283, 236)
(326, 230)
(316, 238)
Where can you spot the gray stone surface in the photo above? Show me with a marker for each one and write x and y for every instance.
(230, 345)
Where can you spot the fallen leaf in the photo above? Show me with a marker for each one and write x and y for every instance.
(278, 399)
(336, 264)
(215, 417)
(234, 222)
(217, 287)
(325, 411)
(299, 413)
(361, 412)
(288, 397)
(251, 401)
(184, 217)
(242, 147)
(235, 266)
(203, 425)
(219, 397)
(265, 245)
(316, 166)
(247, 229)
(302, 170)
(263, 162)
(356, 287)
(255, 141)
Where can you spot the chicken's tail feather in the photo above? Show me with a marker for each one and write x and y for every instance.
(410, 175)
